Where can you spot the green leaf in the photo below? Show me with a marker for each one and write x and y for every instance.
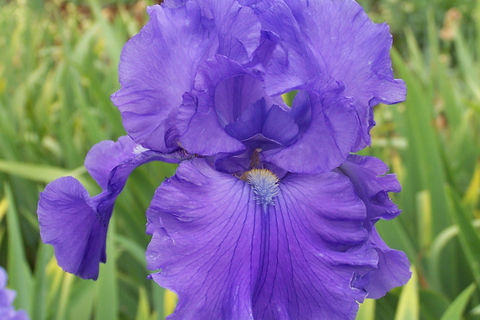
(3, 208)
(39, 297)
(424, 205)
(133, 248)
(456, 309)
(475, 312)
(158, 303)
(469, 239)
(423, 144)
(439, 244)
(107, 290)
(64, 295)
(432, 304)
(40, 173)
(20, 278)
(408, 305)
(143, 311)
(367, 310)
(80, 306)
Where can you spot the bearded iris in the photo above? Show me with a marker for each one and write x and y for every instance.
(7, 311)
(269, 215)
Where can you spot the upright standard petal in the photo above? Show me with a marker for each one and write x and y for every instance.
(159, 64)
(75, 223)
(259, 248)
(372, 184)
(320, 43)
(7, 311)
(229, 112)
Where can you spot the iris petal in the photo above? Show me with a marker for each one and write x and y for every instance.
(295, 259)
(331, 39)
(372, 185)
(326, 141)
(393, 269)
(159, 64)
(69, 221)
(7, 311)
(325, 43)
(75, 223)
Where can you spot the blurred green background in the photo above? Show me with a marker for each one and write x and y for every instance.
(58, 67)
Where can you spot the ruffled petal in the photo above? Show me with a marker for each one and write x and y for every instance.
(345, 44)
(291, 63)
(6, 296)
(393, 269)
(293, 259)
(327, 139)
(7, 311)
(372, 184)
(280, 126)
(75, 223)
(203, 134)
(159, 64)
(106, 155)
(228, 106)
(321, 44)
(3, 278)
(69, 222)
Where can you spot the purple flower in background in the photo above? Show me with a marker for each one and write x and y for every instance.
(7, 311)
(268, 216)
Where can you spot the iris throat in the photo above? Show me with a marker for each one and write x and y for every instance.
(264, 185)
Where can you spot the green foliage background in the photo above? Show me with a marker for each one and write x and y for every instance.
(58, 67)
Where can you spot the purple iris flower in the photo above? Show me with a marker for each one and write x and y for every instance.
(7, 311)
(268, 216)
(75, 223)
(262, 247)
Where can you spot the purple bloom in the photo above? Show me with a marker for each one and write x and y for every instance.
(197, 75)
(372, 185)
(330, 44)
(75, 223)
(159, 65)
(7, 311)
(261, 247)
(268, 216)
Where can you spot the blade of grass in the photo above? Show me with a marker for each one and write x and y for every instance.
(366, 310)
(64, 296)
(40, 173)
(469, 238)
(82, 301)
(106, 306)
(143, 311)
(39, 294)
(437, 248)
(456, 309)
(133, 248)
(408, 305)
(3, 208)
(19, 272)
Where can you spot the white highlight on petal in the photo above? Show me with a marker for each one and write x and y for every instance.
(139, 149)
(264, 184)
